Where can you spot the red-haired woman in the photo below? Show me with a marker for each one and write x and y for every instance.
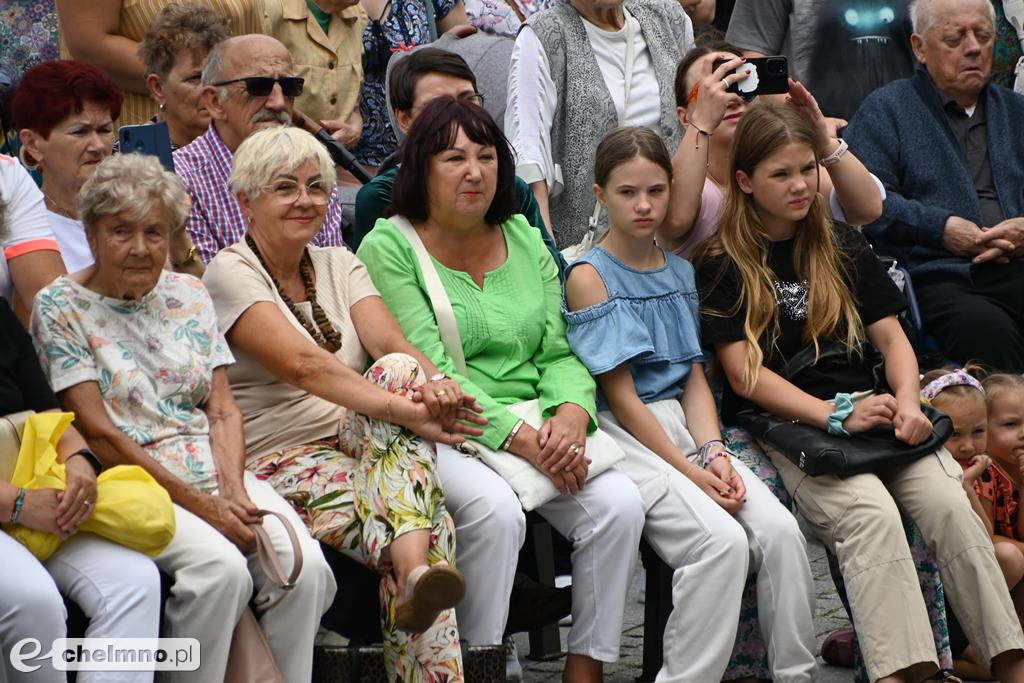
(64, 112)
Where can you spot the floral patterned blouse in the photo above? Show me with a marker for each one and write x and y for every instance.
(405, 24)
(152, 358)
(504, 17)
(995, 486)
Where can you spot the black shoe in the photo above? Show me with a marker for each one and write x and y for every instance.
(533, 604)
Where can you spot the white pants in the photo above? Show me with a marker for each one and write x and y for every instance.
(213, 583)
(603, 521)
(712, 553)
(117, 588)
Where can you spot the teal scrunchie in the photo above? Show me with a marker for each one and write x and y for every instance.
(844, 406)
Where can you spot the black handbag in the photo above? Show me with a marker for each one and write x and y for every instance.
(815, 451)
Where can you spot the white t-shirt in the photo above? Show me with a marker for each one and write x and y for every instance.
(533, 97)
(74, 248)
(28, 227)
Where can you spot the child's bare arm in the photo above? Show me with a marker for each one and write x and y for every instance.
(981, 506)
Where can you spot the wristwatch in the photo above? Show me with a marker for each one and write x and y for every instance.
(91, 457)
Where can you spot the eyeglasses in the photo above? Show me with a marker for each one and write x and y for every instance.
(262, 86)
(289, 191)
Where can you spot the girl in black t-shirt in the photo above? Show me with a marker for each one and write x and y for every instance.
(778, 277)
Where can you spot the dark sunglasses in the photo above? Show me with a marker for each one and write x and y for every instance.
(262, 86)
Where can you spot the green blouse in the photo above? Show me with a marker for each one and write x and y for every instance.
(513, 333)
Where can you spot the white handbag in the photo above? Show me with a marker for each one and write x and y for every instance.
(533, 488)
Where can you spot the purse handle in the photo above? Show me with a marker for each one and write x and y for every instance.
(270, 563)
(442, 305)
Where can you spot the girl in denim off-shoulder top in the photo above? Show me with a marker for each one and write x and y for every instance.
(633, 320)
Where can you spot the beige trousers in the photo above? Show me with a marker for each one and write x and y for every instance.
(857, 518)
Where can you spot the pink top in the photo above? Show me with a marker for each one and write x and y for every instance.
(706, 224)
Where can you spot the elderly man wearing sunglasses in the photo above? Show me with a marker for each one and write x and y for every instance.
(248, 84)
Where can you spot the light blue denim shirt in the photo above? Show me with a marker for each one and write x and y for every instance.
(649, 320)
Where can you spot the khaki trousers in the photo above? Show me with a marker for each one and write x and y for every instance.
(857, 518)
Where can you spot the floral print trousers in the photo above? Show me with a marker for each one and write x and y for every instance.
(358, 493)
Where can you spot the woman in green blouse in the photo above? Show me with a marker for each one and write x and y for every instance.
(455, 186)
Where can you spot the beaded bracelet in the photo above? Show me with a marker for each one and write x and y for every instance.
(702, 452)
(19, 503)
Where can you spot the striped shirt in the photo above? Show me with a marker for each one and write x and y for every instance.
(216, 220)
(135, 20)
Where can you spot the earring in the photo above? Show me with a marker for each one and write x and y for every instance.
(30, 165)
(160, 106)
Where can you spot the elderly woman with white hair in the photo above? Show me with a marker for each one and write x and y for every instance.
(351, 451)
(135, 352)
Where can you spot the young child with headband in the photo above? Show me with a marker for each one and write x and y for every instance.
(988, 435)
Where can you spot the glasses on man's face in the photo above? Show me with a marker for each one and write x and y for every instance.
(289, 191)
(262, 86)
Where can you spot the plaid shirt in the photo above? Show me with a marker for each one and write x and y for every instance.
(216, 220)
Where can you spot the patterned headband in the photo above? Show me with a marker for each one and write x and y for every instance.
(950, 379)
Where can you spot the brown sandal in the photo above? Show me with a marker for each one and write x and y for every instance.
(435, 589)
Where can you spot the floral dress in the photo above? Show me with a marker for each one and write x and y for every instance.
(152, 358)
(405, 24)
(359, 492)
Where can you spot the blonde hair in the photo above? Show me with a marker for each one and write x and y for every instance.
(132, 184)
(742, 237)
(1000, 384)
(269, 152)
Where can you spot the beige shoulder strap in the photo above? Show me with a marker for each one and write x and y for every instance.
(443, 313)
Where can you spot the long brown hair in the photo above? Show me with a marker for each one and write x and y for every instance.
(742, 237)
(625, 144)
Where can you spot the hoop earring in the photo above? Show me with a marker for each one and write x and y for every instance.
(32, 166)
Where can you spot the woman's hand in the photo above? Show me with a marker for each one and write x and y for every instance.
(39, 512)
(803, 102)
(444, 399)
(911, 425)
(871, 412)
(429, 427)
(231, 519)
(563, 439)
(78, 500)
(713, 100)
(722, 468)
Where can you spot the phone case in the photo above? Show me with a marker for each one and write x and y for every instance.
(147, 138)
(769, 76)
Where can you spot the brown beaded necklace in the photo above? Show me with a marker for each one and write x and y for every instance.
(326, 337)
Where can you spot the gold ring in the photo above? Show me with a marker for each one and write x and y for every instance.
(88, 503)
(441, 392)
(575, 449)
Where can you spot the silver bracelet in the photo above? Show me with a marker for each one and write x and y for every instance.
(512, 435)
(834, 158)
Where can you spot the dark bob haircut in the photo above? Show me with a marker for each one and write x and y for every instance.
(412, 67)
(433, 131)
(52, 91)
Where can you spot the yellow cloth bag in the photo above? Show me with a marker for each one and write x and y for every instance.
(131, 509)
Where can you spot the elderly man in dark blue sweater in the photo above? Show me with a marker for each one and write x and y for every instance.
(949, 147)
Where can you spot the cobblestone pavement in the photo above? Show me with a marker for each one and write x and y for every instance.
(830, 615)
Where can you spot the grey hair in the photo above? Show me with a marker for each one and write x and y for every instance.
(922, 17)
(195, 28)
(213, 69)
(269, 152)
(132, 184)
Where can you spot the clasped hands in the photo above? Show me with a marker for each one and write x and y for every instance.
(1001, 243)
